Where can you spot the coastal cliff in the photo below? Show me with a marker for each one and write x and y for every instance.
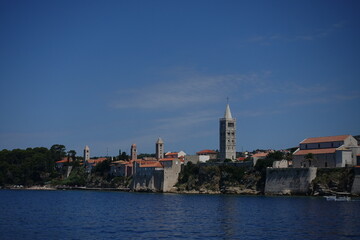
(196, 178)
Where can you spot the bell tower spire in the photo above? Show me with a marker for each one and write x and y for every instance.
(227, 135)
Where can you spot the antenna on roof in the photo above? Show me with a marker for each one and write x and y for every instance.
(227, 100)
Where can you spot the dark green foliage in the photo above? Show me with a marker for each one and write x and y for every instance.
(189, 170)
(102, 168)
(124, 156)
(26, 167)
(337, 179)
(277, 155)
(121, 182)
(231, 173)
(36, 166)
(208, 173)
(143, 155)
(72, 154)
(212, 177)
(57, 152)
(77, 178)
(262, 164)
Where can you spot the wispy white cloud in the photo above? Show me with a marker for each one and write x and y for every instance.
(193, 89)
(309, 36)
(189, 119)
(258, 113)
(327, 98)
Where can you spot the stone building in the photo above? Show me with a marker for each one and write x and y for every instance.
(333, 151)
(180, 154)
(258, 155)
(158, 176)
(86, 153)
(227, 136)
(159, 149)
(206, 155)
(133, 151)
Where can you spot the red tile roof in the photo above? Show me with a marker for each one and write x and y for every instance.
(241, 158)
(155, 165)
(315, 151)
(96, 160)
(172, 154)
(206, 151)
(64, 160)
(121, 162)
(166, 159)
(325, 139)
(260, 154)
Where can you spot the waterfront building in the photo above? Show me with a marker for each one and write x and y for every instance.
(333, 151)
(159, 176)
(227, 136)
(206, 155)
(180, 154)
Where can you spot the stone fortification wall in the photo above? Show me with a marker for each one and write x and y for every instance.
(171, 175)
(152, 181)
(356, 184)
(289, 180)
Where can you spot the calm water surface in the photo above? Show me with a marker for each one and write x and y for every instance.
(119, 215)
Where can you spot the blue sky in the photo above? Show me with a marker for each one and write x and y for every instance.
(111, 73)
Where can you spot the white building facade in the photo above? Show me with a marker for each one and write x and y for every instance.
(333, 151)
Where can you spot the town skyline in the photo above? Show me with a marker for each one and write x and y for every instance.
(108, 75)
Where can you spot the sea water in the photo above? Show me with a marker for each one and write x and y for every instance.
(32, 214)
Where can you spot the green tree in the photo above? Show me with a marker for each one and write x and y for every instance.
(72, 154)
(277, 155)
(102, 168)
(58, 152)
(124, 156)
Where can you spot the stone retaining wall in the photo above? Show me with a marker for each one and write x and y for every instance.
(283, 181)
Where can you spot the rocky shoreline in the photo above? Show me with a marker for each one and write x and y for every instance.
(229, 191)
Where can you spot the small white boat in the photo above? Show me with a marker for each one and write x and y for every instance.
(338, 198)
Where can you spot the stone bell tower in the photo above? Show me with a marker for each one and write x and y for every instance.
(227, 136)
(133, 151)
(86, 153)
(159, 149)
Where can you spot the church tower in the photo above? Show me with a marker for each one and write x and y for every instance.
(227, 136)
(86, 153)
(159, 149)
(133, 151)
